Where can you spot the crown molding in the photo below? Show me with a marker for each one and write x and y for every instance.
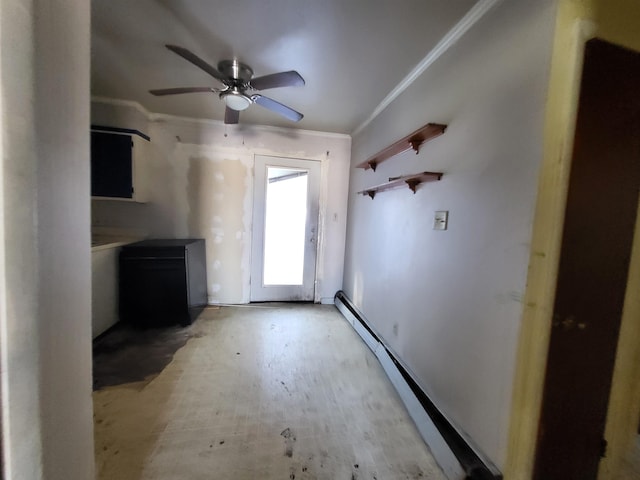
(478, 11)
(122, 103)
(160, 117)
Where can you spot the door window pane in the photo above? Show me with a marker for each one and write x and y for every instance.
(284, 230)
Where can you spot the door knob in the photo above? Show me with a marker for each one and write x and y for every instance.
(568, 323)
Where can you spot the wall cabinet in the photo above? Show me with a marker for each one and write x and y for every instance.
(118, 164)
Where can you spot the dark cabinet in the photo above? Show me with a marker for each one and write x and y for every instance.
(111, 165)
(118, 164)
(162, 282)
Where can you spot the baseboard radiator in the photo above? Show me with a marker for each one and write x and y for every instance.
(456, 456)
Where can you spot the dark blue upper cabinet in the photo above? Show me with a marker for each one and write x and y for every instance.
(111, 165)
(119, 164)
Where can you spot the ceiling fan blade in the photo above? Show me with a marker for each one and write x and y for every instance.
(198, 62)
(282, 79)
(277, 107)
(176, 91)
(231, 116)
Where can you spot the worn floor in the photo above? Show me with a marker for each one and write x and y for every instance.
(259, 392)
(126, 354)
(631, 464)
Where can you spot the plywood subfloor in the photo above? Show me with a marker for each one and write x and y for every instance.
(261, 392)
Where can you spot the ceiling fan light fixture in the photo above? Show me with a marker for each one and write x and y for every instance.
(236, 100)
(237, 78)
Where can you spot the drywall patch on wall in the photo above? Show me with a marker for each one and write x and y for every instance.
(244, 142)
(216, 194)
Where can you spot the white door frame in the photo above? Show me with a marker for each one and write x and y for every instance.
(305, 292)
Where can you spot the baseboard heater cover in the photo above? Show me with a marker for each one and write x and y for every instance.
(457, 458)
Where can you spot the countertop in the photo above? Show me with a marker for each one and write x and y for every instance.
(103, 242)
(103, 238)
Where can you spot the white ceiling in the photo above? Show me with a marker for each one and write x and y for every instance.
(352, 53)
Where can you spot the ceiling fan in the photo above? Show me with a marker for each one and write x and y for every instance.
(237, 80)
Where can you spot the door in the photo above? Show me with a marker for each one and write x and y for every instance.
(285, 229)
(594, 262)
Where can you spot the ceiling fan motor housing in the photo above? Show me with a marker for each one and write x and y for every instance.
(239, 76)
(237, 71)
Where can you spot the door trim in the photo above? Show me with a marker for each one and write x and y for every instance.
(594, 265)
(313, 234)
(572, 33)
(533, 343)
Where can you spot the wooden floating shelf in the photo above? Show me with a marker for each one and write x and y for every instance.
(412, 181)
(413, 140)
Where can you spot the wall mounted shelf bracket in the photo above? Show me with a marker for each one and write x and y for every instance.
(412, 141)
(412, 181)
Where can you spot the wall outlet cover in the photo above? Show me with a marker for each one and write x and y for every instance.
(441, 220)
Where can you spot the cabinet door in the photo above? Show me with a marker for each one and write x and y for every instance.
(140, 162)
(111, 165)
(153, 291)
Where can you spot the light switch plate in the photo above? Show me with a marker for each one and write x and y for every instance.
(440, 220)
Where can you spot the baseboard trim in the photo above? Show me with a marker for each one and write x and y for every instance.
(458, 459)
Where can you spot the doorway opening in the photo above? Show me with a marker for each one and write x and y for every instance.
(598, 235)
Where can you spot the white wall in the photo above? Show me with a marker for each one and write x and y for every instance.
(449, 302)
(201, 177)
(45, 314)
(22, 423)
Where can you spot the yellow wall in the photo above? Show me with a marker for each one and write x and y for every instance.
(617, 21)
